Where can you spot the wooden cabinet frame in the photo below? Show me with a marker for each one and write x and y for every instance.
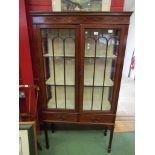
(79, 21)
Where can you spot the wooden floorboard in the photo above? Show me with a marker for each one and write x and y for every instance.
(125, 124)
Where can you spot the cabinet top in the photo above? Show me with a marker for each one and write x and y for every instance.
(81, 17)
(125, 13)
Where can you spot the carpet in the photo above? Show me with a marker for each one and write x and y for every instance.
(87, 142)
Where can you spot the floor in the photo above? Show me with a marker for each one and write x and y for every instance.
(125, 126)
(88, 142)
(125, 120)
(126, 102)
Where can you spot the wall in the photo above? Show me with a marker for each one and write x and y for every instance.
(25, 63)
(24, 47)
(129, 6)
(39, 5)
(117, 5)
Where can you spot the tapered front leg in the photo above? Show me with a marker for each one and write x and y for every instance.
(39, 146)
(110, 139)
(46, 135)
(52, 127)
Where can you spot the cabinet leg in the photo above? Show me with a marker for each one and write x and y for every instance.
(46, 135)
(39, 146)
(110, 140)
(105, 131)
(52, 127)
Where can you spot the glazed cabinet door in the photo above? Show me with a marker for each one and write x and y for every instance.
(60, 68)
(101, 46)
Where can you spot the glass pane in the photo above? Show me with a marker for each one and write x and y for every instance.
(69, 46)
(58, 100)
(70, 71)
(60, 96)
(87, 99)
(88, 71)
(70, 97)
(89, 47)
(101, 47)
(98, 101)
(59, 65)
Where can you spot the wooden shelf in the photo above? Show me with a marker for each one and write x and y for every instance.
(86, 56)
(58, 55)
(70, 82)
(60, 81)
(101, 56)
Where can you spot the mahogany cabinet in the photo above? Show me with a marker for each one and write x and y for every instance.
(78, 59)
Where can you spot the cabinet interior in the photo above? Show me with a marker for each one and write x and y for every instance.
(100, 55)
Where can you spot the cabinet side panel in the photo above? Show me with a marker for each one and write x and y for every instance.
(119, 67)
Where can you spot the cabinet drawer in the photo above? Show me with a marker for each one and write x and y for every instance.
(59, 117)
(96, 118)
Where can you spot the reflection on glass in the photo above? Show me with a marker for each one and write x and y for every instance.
(89, 47)
(59, 63)
(101, 47)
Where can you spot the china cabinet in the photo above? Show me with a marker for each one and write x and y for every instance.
(77, 62)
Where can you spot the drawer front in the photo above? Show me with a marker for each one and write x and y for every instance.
(96, 118)
(59, 117)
